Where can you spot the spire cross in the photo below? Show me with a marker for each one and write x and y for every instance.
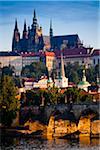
(34, 14)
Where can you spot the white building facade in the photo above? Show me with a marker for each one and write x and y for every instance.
(29, 57)
(11, 59)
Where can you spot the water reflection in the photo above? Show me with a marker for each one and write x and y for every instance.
(53, 144)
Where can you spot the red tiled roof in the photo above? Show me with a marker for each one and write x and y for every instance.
(41, 53)
(48, 54)
(76, 52)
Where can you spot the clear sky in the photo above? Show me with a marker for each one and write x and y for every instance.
(68, 17)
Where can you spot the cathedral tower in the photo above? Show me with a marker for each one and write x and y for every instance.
(16, 38)
(24, 40)
(25, 33)
(32, 38)
(34, 25)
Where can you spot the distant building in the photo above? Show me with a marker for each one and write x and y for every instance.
(42, 83)
(76, 55)
(28, 84)
(95, 56)
(12, 59)
(33, 39)
(71, 41)
(49, 60)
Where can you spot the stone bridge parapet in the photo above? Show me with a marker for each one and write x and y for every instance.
(77, 109)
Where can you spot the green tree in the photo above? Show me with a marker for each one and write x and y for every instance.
(8, 101)
(35, 70)
(73, 72)
(91, 74)
(8, 70)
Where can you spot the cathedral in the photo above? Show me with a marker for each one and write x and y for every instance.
(33, 40)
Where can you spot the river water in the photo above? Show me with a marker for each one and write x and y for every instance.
(84, 143)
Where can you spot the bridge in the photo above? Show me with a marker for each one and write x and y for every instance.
(76, 109)
(46, 111)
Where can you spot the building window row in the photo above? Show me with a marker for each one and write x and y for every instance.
(94, 61)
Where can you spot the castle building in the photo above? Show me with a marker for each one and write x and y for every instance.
(32, 39)
(48, 58)
(71, 41)
(29, 58)
(95, 56)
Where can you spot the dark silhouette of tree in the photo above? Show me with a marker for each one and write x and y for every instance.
(9, 104)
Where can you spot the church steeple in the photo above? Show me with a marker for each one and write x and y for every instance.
(51, 30)
(51, 35)
(16, 26)
(34, 25)
(62, 62)
(25, 34)
(34, 14)
(25, 30)
(16, 38)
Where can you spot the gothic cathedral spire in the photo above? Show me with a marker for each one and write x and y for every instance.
(34, 14)
(25, 30)
(34, 25)
(16, 38)
(51, 30)
(25, 34)
(51, 35)
(16, 26)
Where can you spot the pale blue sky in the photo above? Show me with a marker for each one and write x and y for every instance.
(69, 17)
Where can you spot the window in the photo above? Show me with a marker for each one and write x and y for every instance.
(98, 61)
(94, 61)
(82, 61)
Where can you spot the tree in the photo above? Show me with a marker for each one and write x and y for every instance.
(8, 101)
(8, 70)
(73, 72)
(35, 70)
(90, 74)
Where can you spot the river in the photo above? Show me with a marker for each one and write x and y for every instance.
(10, 143)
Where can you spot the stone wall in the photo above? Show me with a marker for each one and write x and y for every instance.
(64, 127)
(95, 127)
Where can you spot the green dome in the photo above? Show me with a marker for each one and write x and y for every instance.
(49, 80)
(84, 83)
